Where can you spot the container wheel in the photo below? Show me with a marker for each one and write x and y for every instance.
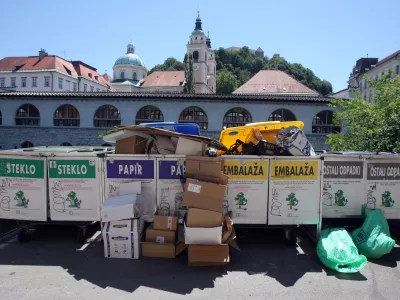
(82, 234)
(291, 237)
(23, 235)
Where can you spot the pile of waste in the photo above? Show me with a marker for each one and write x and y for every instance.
(348, 253)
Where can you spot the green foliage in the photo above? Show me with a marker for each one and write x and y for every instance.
(244, 62)
(226, 82)
(371, 126)
(170, 64)
(188, 67)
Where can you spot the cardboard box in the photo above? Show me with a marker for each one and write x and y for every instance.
(160, 236)
(203, 236)
(131, 145)
(121, 243)
(118, 208)
(196, 217)
(208, 255)
(165, 220)
(123, 226)
(204, 195)
(206, 169)
(190, 147)
(158, 250)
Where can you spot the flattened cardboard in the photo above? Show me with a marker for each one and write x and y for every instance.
(160, 236)
(131, 145)
(165, 220)
(197, 217)
(164, 145)
(180, 246)
(203, 236)
(206, 169)
(158, 250)
(204, 195)
(208, 255)
(118, 208)
(189, 147)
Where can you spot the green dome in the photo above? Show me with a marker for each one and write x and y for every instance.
(129, 59)
(198, 32)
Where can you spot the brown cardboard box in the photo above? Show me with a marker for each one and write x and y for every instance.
(158, 250)
(208, 255)
(166, 220)
(131, 145)
(160, 236)
(204, 195)
(196, 217)
(164, 145)
(206, 169)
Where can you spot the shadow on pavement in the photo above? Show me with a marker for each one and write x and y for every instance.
(263, 251)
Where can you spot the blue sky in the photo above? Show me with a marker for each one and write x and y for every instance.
(325, 36)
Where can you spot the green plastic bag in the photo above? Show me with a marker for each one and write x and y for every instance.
(337, 251)
(373, 238)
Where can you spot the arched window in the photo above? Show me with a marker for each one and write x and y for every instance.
(323, 123)
(237, 117)
(66, 144)
(122, 75)
(107, 116)
(195, 56)
(67, 115)
(27, 115)
(26, 144)
(282, 115)
(134, 76)
(194, 114)
(149, 114)
(1, 118)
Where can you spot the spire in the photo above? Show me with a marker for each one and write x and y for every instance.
(208, 41)
(198, 22)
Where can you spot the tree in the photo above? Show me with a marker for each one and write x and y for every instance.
(371, 126)
(170, 64)
(226, 82)
(188, 67)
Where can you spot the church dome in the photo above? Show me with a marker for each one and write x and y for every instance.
(130, 58)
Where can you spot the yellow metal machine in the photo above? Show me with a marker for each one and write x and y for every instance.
(250, 133)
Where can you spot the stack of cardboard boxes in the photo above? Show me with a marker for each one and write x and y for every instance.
(205, 228)
(162, 235)
(122, 228)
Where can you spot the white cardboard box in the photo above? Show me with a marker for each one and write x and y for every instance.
(118, 208)
(189, 147)
(203, 236)
(122, 245)
(121, 238)
(124, 226)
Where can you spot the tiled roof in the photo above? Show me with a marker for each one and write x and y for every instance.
(388, 58)
(28, 63)
(274, 81)
(164, 78)
(175, 96)
(88, 72)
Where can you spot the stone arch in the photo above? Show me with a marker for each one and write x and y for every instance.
(237, 116)
(67, 115)
(283, 115)
(26, 144)
(323, 123)
(149, 114)
(107, 116)
(27, 115)
(194, 114)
